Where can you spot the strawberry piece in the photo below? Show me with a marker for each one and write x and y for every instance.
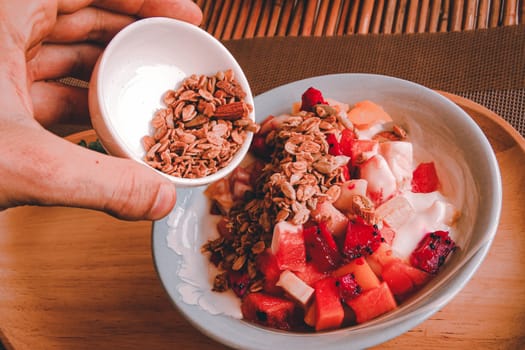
(259, 147)
(268, 310)
(239, 282)
(333, 145)
(361, 239)
(424, 178)
(432, 251)
(310, 98)
(321, 248)
(346, 142)
(348, 287)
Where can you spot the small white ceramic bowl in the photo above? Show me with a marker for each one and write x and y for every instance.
(470, 177)
(141, 63)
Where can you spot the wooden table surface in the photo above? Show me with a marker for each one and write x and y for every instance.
(80, 279)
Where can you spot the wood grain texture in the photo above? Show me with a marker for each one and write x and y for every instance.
(79, 279)
(252, 18)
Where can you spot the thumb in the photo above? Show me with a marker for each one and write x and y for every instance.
(47, 170)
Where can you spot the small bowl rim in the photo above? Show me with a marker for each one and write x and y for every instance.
(110, 125)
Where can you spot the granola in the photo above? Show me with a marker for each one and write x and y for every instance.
(204, 124)
(299, 174)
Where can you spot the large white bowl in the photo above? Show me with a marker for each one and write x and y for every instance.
(471, 179)
(139, 65)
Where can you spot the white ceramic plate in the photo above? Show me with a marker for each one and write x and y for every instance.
(187, 275)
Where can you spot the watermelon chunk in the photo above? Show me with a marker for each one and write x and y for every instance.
(268, 310)
(310, 274)
(373, 303)
(267, 264)
(404, 279)
(425, 179)
(288, 246)
(329, 313)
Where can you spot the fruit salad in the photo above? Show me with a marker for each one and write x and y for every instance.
(332, 221)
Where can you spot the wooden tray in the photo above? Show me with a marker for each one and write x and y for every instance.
(79, 279)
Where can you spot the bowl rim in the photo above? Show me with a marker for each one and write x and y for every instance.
(391, 327)
(109, 124)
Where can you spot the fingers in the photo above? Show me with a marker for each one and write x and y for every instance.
(99, 25)
(185, 10)
(57, 61)
(88, 24)
(55, 102)
(40, 168)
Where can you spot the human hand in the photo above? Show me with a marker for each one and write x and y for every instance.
(45, 40)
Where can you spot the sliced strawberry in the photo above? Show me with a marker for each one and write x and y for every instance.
(333, 145)
(432, 251)
(310, 98)
(346, 143)
(239, 282)
(361, 239)
(424, 178)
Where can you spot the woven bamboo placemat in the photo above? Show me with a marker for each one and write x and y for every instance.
(486, 66)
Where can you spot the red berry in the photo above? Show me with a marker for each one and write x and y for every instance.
(259, 147)
(432, 251)
(333, 145)
(310, 98)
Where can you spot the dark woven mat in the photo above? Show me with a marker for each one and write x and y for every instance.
(486, 66)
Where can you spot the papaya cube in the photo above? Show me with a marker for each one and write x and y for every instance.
(363, 274)
(403, 279)
(309, 315)
(329, 312)
(380, 258)
(366, 113)
(288, 246)
(268, 310)
(373, 303)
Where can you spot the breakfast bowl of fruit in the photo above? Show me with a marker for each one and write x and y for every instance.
(365, 204)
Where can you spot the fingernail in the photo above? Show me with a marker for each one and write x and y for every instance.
(166, 197)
